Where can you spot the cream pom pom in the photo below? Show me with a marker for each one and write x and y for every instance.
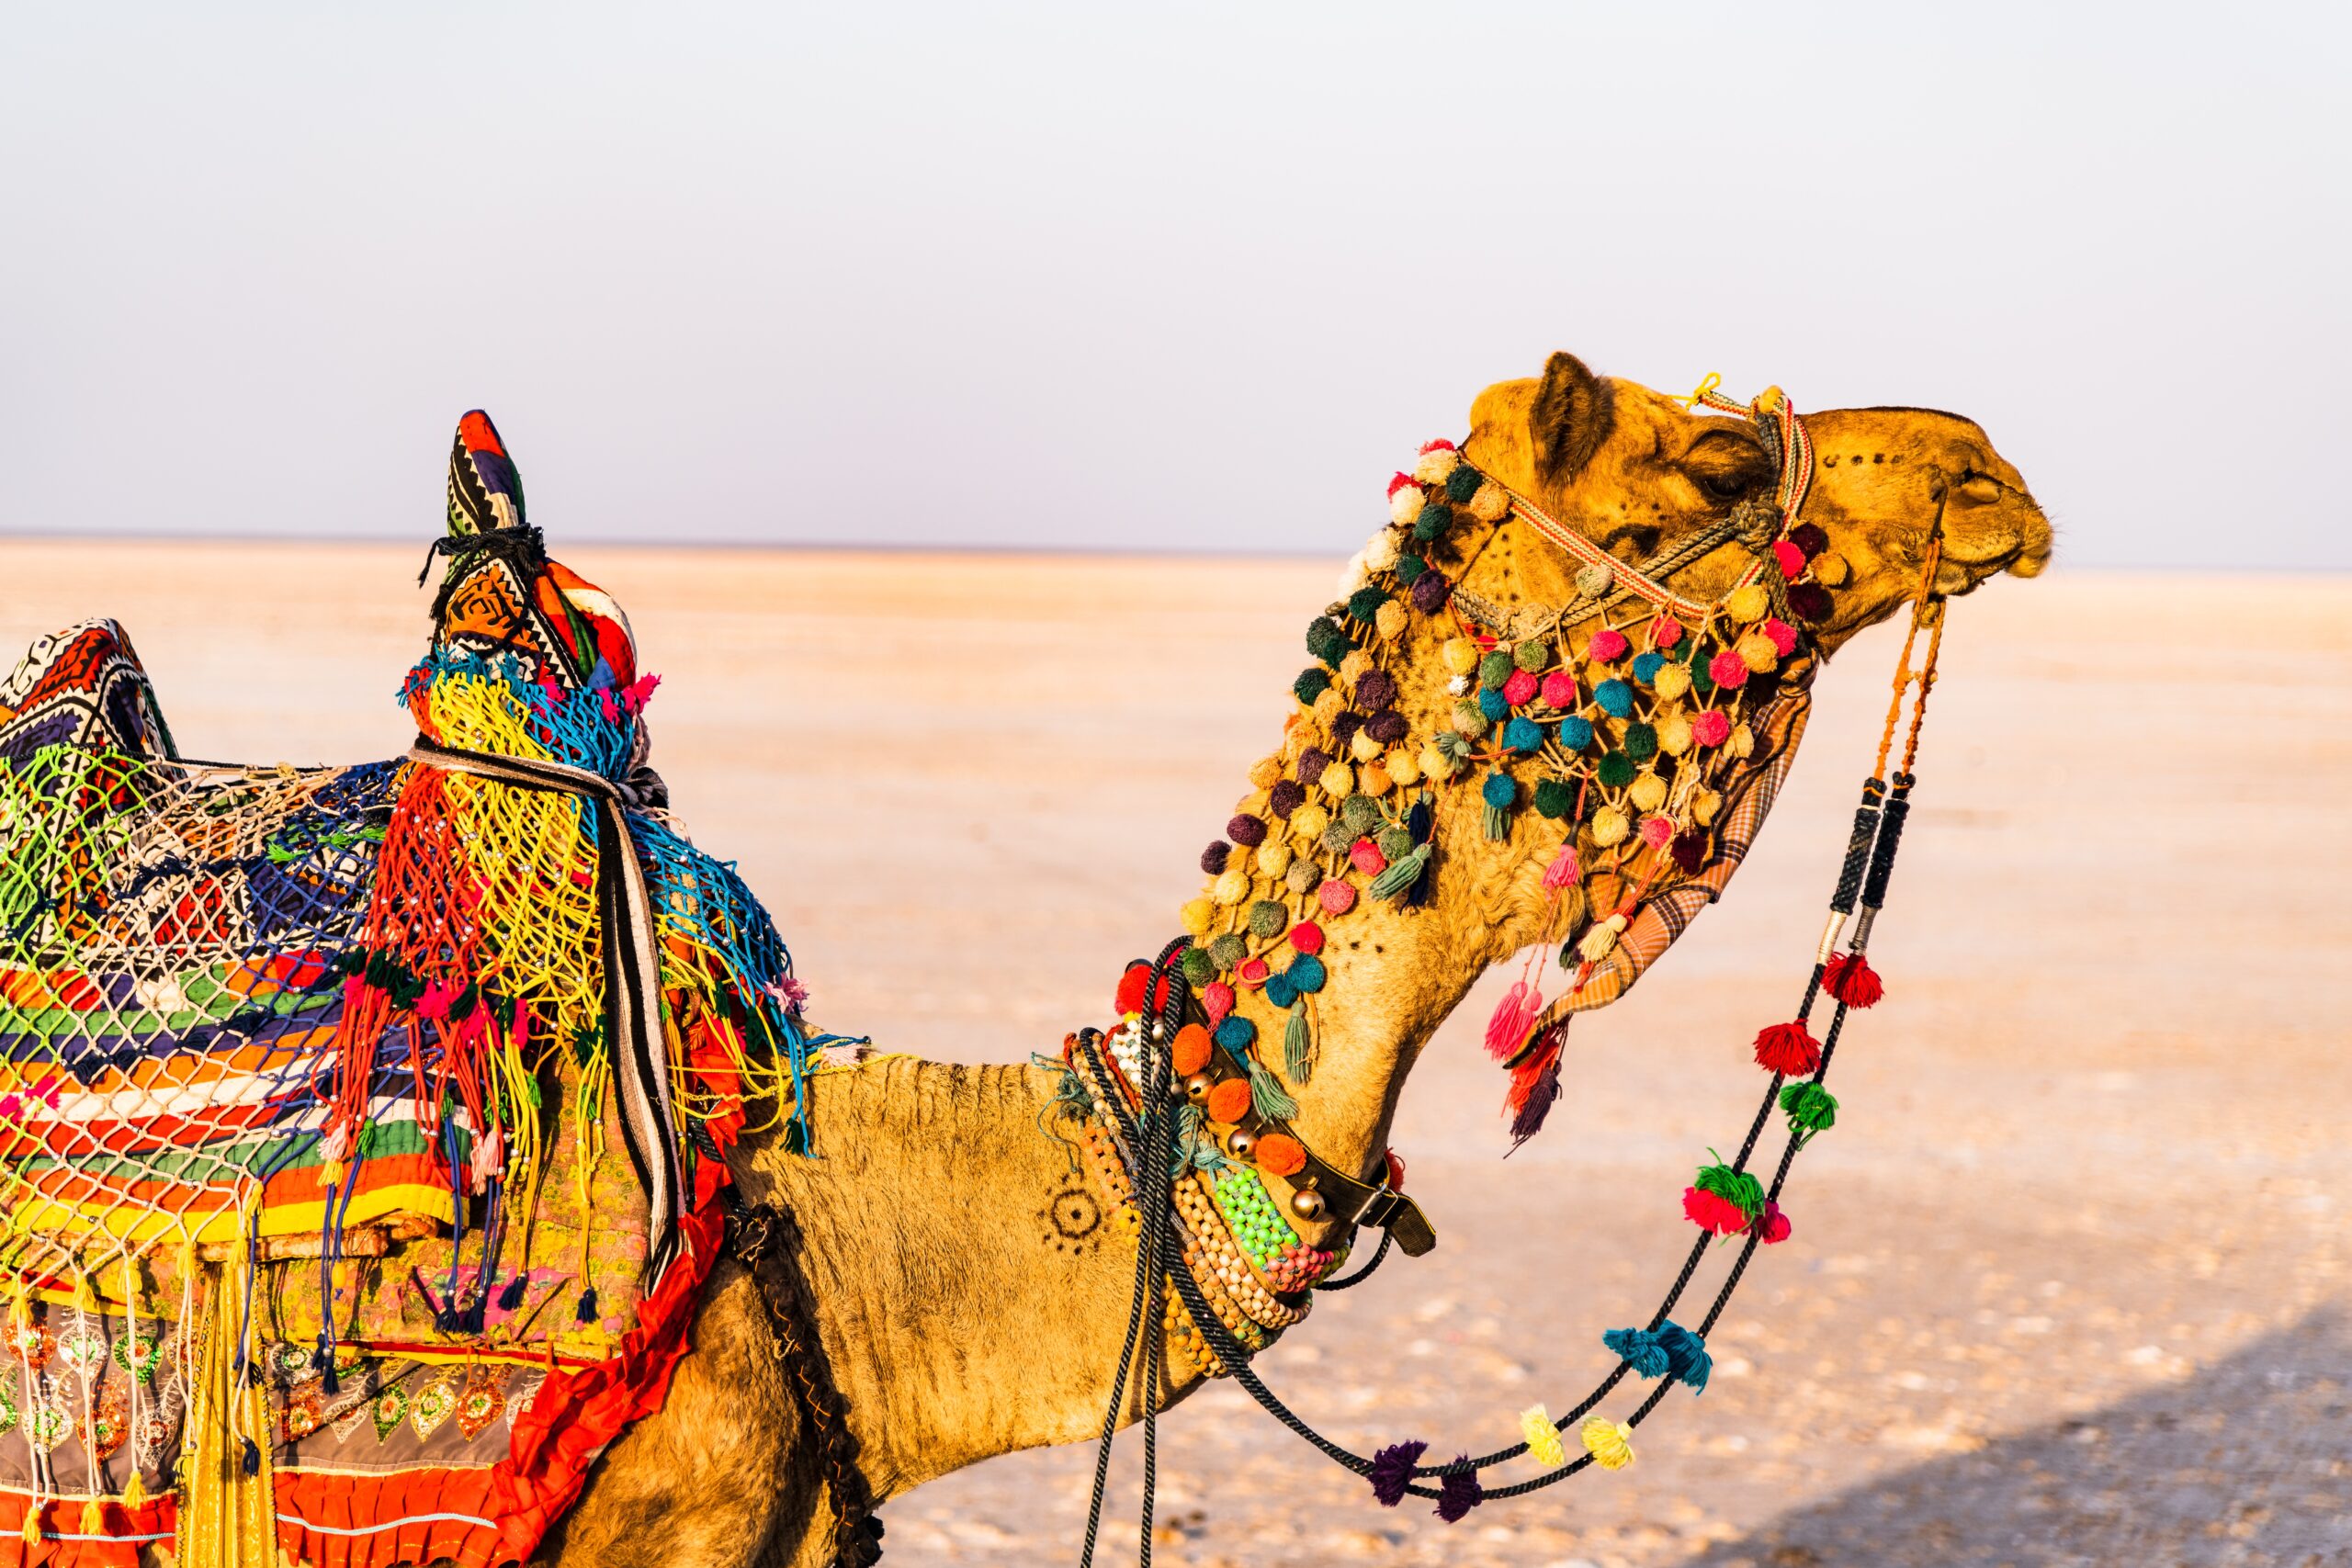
(1647, 793)
(1352, 576)
(1597, 943)
(1610, 827)
(1273, 858)
(1746, 602)
(1365, 747)
(1406, 505)
(1338, 780)
(1353, 668)
(1403, 768)
(1389, 619)
(1491, 502)
(1232, 887)
(1703, 806)
(1436, 467)
(1309, 820)
(1829, 570)
(1329, 706)
(1672, 680)
(1196, 915)
(1380, 553)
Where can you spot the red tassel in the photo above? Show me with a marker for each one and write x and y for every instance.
(1788, 1049)
(1851, 980)
(1513, 1014)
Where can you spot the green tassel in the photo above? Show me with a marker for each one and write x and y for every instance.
(1811, 1109)
(1398, 879)
(1266, 1096)
(1497, 822)
(1298, 1048)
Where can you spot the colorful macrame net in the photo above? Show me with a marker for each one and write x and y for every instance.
(316, 1236)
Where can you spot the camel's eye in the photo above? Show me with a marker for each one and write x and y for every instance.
(1725, 465)
(1723, 487)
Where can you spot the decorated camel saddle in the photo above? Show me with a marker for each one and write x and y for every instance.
(363, 1124)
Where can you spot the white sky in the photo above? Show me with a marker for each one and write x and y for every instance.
(1178, 276)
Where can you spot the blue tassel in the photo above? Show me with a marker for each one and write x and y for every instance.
(512, 1296)
(252, 1458)
(324, 1359)
(1640, 1349)
(1688, 1353)
(586, 1311)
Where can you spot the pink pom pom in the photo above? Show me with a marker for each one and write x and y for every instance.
(1429, 446)
(1559, 689)
(1399, 482)
(1790, 558)
(1607, 645)
(1783, 636)
(1253, 972)
(1665, 632)
(1216, 1001)
(1307, 937)
(1711, 726)
(1520, 688)
(1564, 871)
(1772, 1225)
(1728, 668)
(1337, 896)
(1367, 858)
(1657, 831)
(1712, 1212)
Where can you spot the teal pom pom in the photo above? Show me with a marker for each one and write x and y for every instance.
(1499, 790)
(1554, 798)
(1522, 736)
(1433, 519)
(1279, 990)
(1646, 667)
(1310, 685)
(1615, 769)
(1307, 973)
(1365, 603)
(1641, 741)
(1576, 733)
(1326, 641)
(1616, 697)
(1236, 1033)
(1492, 707)
(1639, 1349)
(1495, 669)
(1463, 482)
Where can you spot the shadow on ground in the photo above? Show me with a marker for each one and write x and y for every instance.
(2247, 1462)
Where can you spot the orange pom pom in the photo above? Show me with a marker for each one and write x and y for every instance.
(1192, 1051)
(1281, 1155)
(1229, 1101)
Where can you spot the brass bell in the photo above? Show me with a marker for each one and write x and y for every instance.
(1197, 1087)
(1241, 1143)
(1306, 1203)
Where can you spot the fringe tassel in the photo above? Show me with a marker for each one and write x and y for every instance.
(1506, 1030)
(1266, 1096)
(1298, 1048)
(1534, 1085)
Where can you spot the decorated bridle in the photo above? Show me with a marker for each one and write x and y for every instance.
(1629, 767)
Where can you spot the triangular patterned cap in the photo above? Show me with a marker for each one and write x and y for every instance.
(485, 489)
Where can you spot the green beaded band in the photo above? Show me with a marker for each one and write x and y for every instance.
(1258, 1226)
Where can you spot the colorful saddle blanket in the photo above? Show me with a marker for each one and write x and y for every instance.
(359, 1127)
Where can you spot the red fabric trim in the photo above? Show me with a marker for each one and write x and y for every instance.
(156, 1516)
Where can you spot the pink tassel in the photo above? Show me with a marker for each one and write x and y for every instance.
(1564, 871)
(1513, 1015)
(1216, 1001)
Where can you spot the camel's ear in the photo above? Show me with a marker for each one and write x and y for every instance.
(1573, 415)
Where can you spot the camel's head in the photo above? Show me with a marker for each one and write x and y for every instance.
(1635, 471)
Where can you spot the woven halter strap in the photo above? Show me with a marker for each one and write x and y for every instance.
(1782, 430)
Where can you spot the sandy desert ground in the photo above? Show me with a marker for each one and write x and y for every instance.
(2069, 1279)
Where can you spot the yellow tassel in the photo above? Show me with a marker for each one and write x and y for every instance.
(94, 1519)
(32, 1524)
(1607, 1442)
(1543, 1443)
(135, 1494)
(85, 1295)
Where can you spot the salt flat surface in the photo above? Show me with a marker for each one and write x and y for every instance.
(2069, 1281)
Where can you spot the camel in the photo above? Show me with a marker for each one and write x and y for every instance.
(945, 1235)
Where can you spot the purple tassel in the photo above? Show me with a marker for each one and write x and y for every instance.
(1530, 1120)
(1459, 1494)
(1391, 1471)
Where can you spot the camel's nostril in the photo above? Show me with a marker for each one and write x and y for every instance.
(1979, 490)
